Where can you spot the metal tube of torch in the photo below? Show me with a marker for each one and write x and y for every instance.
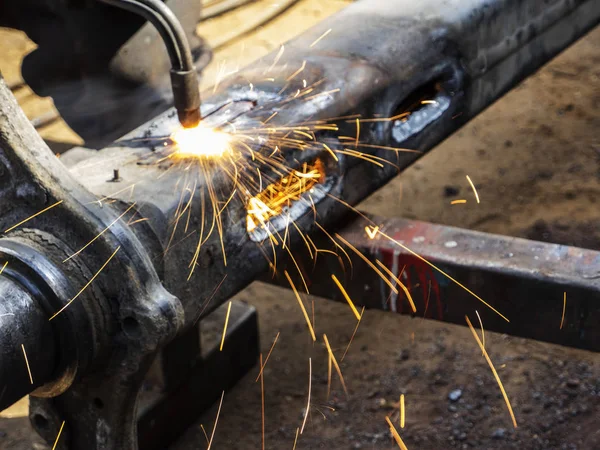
(184, 80)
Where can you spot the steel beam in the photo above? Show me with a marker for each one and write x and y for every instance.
(377, 59)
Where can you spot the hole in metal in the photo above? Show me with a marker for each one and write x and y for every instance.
(131, 327)
(40, 422)
(418, 110)
(287, 199)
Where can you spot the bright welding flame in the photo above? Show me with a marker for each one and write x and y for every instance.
(201, 142)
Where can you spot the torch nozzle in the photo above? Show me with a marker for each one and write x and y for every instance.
(186, 97)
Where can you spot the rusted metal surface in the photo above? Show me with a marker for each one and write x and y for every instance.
(378, 57)
(523, 280)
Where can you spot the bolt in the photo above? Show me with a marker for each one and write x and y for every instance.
(115, 177)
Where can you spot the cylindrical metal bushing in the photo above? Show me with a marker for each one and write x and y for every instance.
(41, 352)
(28, 353)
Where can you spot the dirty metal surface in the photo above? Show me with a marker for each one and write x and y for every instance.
(129, 311)
(379, 55)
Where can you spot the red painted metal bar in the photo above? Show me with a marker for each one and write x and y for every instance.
(524, 281)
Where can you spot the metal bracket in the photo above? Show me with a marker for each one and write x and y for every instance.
(190, 381)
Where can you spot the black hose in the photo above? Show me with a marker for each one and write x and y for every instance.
(184, 80)
(179, 37)
(159, 23)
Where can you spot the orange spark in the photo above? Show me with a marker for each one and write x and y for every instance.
(212, 435)
(32, 216)
(333, 91)
(204, 431)
(304, 238)
(369, 263)
(297, 267)
(481, 327)
(225, 327)
(272, 115)
(352, 337)
(335, 363)
(296, 438)
(99, 234)
(335, 243)
(364, 156)
(276, 197)
(473, 187)
(143, 219)
(319, 38)
(395, 434)
(371, 231)
(308, 401)
(402, 411)
(458, 202)
(276, 60)
(428, 294)
(312, 303)
(388, 119)
(310, 327)
(383, 147)
(330, 152)
(262, 366)
(114, 194)
(303, 133)
(346, 296)
(27, 363)
(489, 361)
(86, 285)
(400, 283)
(562, 320)
(329, 367)
(3, 267)
(207, 301)
(295, 74)
(58, 436)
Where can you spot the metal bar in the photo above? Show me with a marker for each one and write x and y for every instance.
(377, 59)
(524, 280)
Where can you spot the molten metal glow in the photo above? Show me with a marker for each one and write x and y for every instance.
(278, 196)
(201, 142)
